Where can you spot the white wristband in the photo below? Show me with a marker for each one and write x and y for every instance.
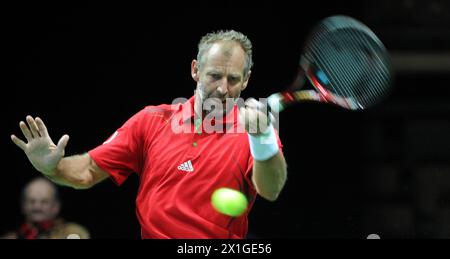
(264, 146)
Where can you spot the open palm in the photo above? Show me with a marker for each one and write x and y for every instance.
(43, 154)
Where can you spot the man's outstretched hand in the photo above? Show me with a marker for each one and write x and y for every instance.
(43, 154)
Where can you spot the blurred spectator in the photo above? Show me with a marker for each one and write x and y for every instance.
(41, 205)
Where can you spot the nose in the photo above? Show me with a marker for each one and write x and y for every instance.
(36, 205)
(222, 88)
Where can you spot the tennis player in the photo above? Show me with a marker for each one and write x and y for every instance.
(180, 169)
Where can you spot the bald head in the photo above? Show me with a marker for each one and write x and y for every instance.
(40, 200)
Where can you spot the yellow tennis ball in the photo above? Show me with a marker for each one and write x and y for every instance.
(229, 202)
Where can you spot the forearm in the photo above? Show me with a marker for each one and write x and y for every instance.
(269, 176)
(73, 171)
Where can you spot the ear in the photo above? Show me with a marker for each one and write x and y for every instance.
(194, 70)
(244, 85)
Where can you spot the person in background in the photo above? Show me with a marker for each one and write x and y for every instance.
(40, 204)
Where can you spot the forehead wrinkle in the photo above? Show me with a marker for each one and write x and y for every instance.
(220, 58)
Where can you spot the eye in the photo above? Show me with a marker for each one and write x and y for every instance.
(215, 76)
(234, 79)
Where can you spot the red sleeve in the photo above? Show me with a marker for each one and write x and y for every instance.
(121, 154)
(248, 172)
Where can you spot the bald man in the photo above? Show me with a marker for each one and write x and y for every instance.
(40, 207)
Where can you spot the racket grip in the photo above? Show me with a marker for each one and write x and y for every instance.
(280, 101)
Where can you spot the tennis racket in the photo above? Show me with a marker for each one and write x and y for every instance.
(346, 64)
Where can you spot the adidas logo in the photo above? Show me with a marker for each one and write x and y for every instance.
(186, 166)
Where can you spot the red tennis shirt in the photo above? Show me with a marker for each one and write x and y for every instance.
(179, 169)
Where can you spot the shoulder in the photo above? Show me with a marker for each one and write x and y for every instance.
(77, 229)
(66, 229)
(9, 235)
(165, 110)
(162, 112)
(152, 116)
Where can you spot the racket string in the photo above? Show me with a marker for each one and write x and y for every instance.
(353, 58)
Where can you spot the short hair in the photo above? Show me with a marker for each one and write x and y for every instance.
(229, 35)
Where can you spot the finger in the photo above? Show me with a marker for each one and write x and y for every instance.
(252, 122)
(253, 115)
(272, 118)
(245, 117)
(33, 127)
(251, 103)
(241, 116)
(18, 142)
(62, 143)
(254, 104)
(260, 106)
(41, 127)
(26, 131)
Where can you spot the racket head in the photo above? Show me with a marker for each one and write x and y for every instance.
(346, 63)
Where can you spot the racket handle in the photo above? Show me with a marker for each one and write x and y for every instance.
(280, 101)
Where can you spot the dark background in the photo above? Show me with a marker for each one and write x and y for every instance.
(86, 69)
